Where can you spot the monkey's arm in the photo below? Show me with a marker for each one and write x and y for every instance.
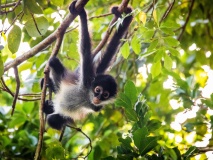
(87, 72)
(115, 40)
(57, 73)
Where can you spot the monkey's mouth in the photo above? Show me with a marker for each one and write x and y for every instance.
(96, 101)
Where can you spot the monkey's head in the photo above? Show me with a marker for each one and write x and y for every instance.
(104, 89)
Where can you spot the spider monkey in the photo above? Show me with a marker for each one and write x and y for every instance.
(85, 91)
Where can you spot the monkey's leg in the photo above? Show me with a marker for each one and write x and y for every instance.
(56, 121)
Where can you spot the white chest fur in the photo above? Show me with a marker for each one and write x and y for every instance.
(72, 101)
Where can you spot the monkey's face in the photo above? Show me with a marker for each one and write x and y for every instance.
(104, 89)
(100, 95)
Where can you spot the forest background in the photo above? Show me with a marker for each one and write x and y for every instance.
(164, 70)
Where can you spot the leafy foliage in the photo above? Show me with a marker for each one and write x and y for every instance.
(164, 71)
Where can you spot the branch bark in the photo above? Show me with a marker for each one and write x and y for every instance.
(187, 20)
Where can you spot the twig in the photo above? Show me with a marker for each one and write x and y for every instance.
(8, 5)
(90, 142)
(167, 11)
(17, 89)
(35, 23)
(187, 20)
(14, 20)
(5, 86)
(204, 149)
(16, 5)
(6, 89)
(102, 15)
(62, 133)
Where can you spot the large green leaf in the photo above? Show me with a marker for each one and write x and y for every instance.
(37, 27)
(131, 91)
(14, 39)
(123, 100)
(32, 6)
(138, 135)
(171, 41)
(148, 143)
(136, 45)
(57, 2)
(131, 114)
(125, 50)
(156, 69)
(167, 62)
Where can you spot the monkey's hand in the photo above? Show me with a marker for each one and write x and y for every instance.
(49, 85)
(115, 11)
(73, 9)
(48, 107)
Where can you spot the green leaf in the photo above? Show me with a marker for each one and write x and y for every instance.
(167, 31)
(42, 26)
(125, 50)
(152, 46)
(147, 54)
(131, 114)
(171, 41)
(14, 39)
(169, 24)
(32, 6)
(190, 151)
(173, 51)
(156, 69)
(148, 35)
(148, 144)
(55, 151)
(57, 2)
(97, 152)
(136, 45)
(126, 142)
(131, 91)
(153, 125)
(167, 62)
(159, 54)
(17, 120)
(25, 66)
(123, 100)
(138, 135)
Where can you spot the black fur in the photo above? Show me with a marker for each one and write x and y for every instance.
(115, 41)
(107, 82)
(86, 77)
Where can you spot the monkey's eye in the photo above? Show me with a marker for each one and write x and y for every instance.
(98, 89)
(106, 94)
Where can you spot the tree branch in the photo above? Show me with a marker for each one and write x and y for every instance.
(17, 89)
(167, 11)
(48, 40)
(187, 20)
(16, 5)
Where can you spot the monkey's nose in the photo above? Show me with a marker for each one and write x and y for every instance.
(96, 100)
